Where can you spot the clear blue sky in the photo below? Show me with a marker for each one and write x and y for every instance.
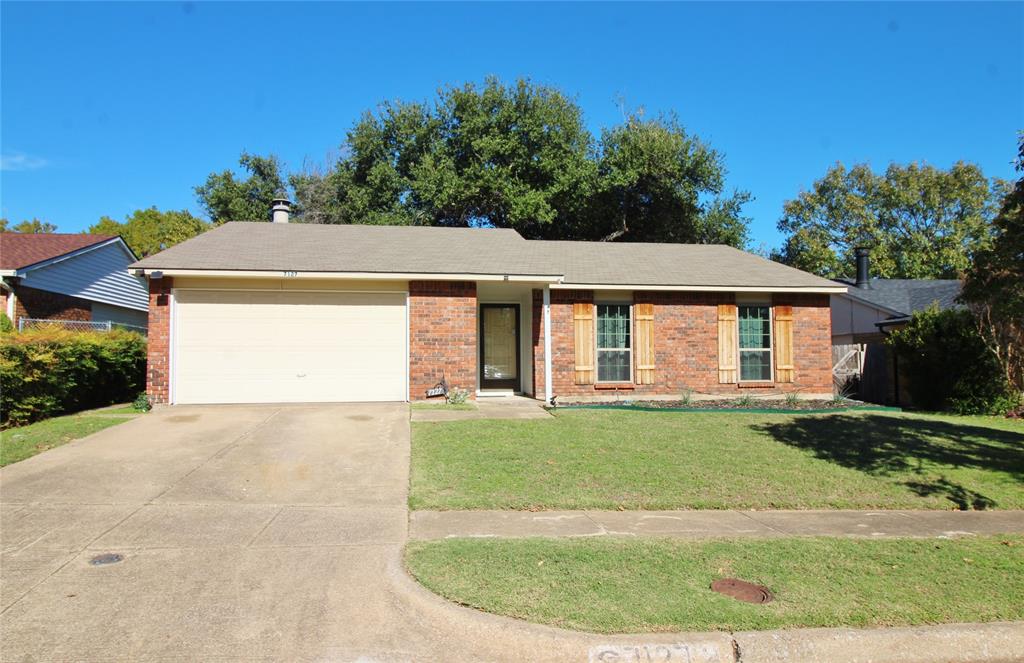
(111, 107)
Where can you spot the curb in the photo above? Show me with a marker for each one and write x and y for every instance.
(997, 642)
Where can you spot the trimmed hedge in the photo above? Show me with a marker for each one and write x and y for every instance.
(46, 372)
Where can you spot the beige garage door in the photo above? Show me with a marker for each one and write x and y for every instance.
(288, 347)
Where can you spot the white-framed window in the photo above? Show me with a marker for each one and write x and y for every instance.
(755, 342)
(614, 343)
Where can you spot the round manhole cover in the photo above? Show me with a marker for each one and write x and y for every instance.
(742, 590)
(106, 558)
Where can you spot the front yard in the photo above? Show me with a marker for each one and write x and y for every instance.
(615, 585)
(26, 441)
(593, 459)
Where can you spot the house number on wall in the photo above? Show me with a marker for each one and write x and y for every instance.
(291, 273)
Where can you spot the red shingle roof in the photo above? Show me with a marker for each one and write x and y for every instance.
(19, 250)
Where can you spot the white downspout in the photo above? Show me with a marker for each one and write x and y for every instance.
(548, 394)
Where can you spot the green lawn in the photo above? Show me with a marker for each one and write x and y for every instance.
(590, 459)
(26, 441)
(627, 585)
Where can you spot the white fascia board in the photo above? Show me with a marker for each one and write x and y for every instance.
(375, 276)
(8, 272)
(824, 290)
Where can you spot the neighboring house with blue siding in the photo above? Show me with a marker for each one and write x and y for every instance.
(70, 277)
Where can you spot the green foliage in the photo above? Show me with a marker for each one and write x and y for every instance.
(141, 403)
(149, 231)
(746, 400)
(686, 396)
(520, 156)
(227, 198)
(994, 287)
(52, 371)
(457, 396)
(651, 174)
(35, 226)
(6, 326)
(792, 399)
(947, 365)
(919, 221)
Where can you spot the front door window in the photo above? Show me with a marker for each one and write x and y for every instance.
(499, 340)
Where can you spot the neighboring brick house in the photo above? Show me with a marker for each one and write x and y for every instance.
(79, 277)
(278, 312)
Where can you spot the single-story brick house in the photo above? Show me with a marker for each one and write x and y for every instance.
(70, 277)
(279, 312)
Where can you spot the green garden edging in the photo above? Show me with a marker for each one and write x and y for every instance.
(644, 408)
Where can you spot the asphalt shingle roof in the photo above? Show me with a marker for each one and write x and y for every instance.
(19, 250)
(907, 295)
(260, 246)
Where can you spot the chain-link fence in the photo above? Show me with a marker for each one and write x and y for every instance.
(76, 325)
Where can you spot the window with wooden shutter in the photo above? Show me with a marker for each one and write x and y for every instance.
(643, 314)
(583, 328)
(784, 369)
(727, 349)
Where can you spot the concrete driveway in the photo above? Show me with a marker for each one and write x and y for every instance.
(248, 533)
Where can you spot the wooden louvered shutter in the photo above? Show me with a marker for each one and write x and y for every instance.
(643, 314)
(583, 327)
(727, 349)
(784, 369)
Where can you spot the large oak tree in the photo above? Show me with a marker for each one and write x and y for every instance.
(519, 156)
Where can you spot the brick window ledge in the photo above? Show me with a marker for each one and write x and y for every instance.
(755, 385)
(615, 386)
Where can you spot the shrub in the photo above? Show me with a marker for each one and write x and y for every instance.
(947, 365)
(457, 396)
(6, 326)
(50, 371)
(142, 403)
(792, 399)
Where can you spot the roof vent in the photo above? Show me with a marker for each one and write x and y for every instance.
(863, 267)
(280, 209)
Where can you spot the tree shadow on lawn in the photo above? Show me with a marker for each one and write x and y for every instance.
(886, 445)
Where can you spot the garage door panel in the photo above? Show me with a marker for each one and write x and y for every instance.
(252, 347)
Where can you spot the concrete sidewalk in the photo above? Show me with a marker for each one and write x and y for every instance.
(501, 407)
(711, 524)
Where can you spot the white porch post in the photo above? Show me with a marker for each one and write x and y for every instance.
(548, 395)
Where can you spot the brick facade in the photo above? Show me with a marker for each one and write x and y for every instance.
(158, 342)
(44, 305)
(442, 336)
(443, 342)
(685, 345)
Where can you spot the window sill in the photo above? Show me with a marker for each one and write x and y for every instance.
(755, 385)
(616, 386)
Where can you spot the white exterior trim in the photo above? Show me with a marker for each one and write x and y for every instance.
(701, 288)
(172, 369)
(376, 276)
(548, 392)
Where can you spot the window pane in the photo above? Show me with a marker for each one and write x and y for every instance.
(755, 327)
(613, 366)
(613, 326)
(755, 365)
